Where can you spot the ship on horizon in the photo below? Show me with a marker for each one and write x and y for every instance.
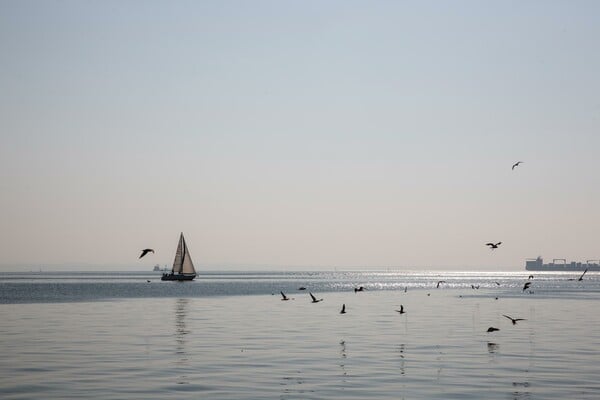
(537, 264)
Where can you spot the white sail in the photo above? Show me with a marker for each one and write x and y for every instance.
(183, 261)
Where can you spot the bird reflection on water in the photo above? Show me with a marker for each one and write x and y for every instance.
(401, 350)
(343, 361)
(492, 348)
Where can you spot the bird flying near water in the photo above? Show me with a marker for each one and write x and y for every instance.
(284, 297)
(146, 251)
(526, 286)
(343, 309)
(493, 245)
(314, 299)
(517, 164)
(514, 320)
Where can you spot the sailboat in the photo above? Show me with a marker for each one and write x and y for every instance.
(183, 267)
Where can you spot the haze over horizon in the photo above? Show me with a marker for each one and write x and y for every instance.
(338, 133)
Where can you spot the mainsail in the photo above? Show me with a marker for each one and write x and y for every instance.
(183, 261)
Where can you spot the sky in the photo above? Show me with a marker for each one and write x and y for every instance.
(299, 134)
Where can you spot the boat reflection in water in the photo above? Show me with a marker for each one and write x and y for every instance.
(181, 332)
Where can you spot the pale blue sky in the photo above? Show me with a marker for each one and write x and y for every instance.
(299, 134)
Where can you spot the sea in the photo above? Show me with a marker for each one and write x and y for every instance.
(229, 335)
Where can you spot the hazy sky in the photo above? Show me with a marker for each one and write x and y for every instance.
(299, 133)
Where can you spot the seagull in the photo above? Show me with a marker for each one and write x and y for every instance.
(405, 289)
(401, 310)
(526, 286)
(474, 287)
(146, 251)
(497, 283)
(148, 280)
(301, 288)
(514, 320)
(284, 296)
(530, 277)
(438, 284)
(581, 277)
(343, 309)
(360, 289)
(314, 299)
(517, 164)
(493, 245)
(492, 329)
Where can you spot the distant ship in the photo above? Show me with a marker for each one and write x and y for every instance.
(537, 264)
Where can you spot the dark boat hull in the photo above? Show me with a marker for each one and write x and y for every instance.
(177, 277)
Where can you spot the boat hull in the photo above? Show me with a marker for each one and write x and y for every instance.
(177, 277)
(554, 268)
(537, 264)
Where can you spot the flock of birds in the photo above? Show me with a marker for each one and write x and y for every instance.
(401, 311)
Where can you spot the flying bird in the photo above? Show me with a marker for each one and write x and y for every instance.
(530, 277)
(526, 286)
(517, 164)
(492, 329)
(514, 320)
(343, 309)
(581, 277)
(146, 251)
(438, 284)
(401, 310)
(360, 289)
(314, 299)
(493, 245)
(284, 297)
(301, 288)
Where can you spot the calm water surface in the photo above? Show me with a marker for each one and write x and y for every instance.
(226, 336)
